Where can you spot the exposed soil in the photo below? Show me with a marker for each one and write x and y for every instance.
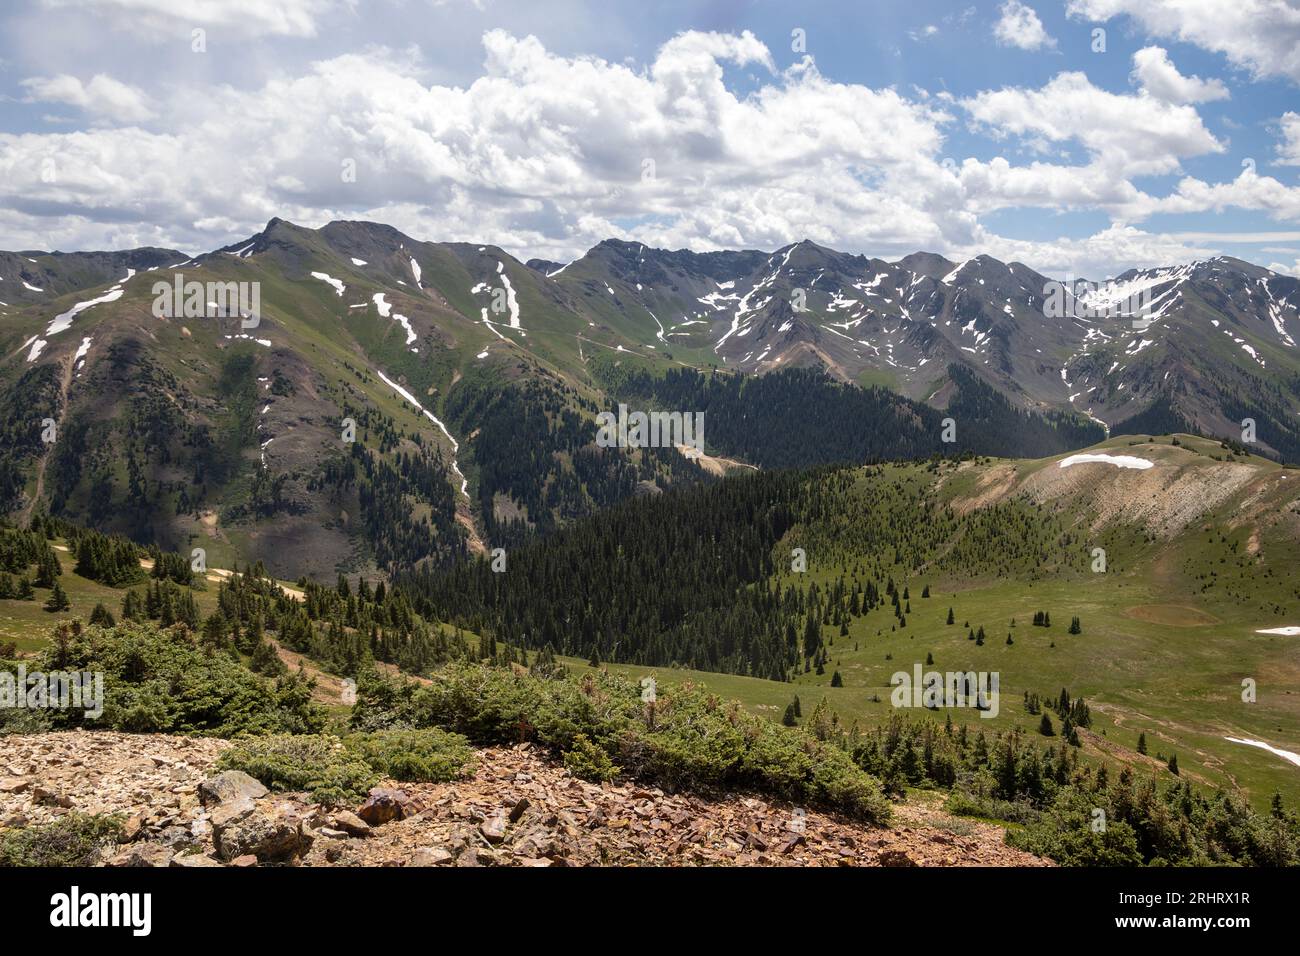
(1172, 615)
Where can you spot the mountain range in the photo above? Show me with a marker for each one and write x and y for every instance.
(472, 380)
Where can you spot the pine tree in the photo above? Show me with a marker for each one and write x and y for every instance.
(1142, 743)
(47, 569)
(837, 680)
(266, 661)
(950, 617)
(1173, 765)
(58, 599)
(1075, 628)
(214, 631)
(1045, 727)
(101, 616)
(788, 719)
(131, 610)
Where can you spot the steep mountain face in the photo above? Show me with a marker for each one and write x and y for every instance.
(350, 398)
(294, 403)
(1201, 346)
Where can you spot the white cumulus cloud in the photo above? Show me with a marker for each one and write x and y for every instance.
(103, 99)
(1262, 36)
(1288, 151)
(1019, 26)
(547, 154)
(1156, 74)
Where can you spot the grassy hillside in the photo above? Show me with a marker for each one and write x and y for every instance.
(1200, 555)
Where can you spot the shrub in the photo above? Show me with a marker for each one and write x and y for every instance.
(1064, 832)
(965, 804)
(419, 756)
(319, 764)
(589, 762)
(72, 840)
(688, 739)
(156, 680)
(14, 720)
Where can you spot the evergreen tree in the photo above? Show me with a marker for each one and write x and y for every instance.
(1142, 743)
(266, 661)
(58, 599)
(132, 607)
(214, 631)
(101, 616)
(1045, 727)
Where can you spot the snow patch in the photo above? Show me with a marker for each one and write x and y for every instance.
(1286, 755)
(455, 445)
(336, 283)
(1119, 461)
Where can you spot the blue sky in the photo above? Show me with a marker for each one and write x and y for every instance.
(880, 128)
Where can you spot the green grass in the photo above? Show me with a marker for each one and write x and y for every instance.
(1155, 671)
(1178, 684)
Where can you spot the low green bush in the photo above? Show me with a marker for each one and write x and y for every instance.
(687, 740)
(1069, 833)
(318, 764)
(19, 720)
(73, 840)
(417, 756)
(588, 762)
(965, 804)
(157, 680)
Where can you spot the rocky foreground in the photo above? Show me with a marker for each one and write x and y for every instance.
(518, 809)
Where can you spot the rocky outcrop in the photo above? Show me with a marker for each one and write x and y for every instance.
(384, 805)
(271, 834)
